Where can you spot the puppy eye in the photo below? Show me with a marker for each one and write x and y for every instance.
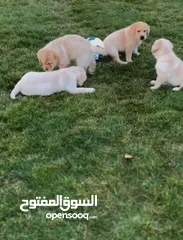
(144, 30)
(138, 31)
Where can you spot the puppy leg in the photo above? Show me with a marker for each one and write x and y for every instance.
(80, 80)
(61, 66)
(71, 87)
(16, 90)
(63, 59)
(129, 51)
(92, 65)
(83, 61)
(161, 79)
(176, 89)
(153, 82)
(113, 52)
(135, 51)
(118, 60)
(64, 62)
(81, 90)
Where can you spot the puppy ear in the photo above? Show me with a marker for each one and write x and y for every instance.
(171, 44)
(83, 74)
(133, 28)
(39, 57)
(156, 47)
(148, 30)
(56, 57)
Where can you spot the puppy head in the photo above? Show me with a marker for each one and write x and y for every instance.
(81, 76)
(161, 46)
(140, 31)
(48, 59)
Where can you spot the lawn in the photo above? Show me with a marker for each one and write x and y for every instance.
(75, 145)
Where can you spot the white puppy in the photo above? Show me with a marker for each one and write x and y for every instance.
(169, 67)
(47, 83)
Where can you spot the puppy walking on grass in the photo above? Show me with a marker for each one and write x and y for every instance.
(169, 67)
(48, 83)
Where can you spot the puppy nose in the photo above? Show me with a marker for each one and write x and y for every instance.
(142, 38)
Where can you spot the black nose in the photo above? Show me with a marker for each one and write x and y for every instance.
(142, 38)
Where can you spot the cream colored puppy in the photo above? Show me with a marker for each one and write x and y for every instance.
(126, 40)
(169, 67)
(47, 83)
(59, 53)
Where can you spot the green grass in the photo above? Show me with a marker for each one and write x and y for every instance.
(74, 145)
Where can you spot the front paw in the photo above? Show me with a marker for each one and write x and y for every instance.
(153, 82)
(80, 83)
(130, 60)
(153, 88)
(176, 89)
(91, 90)
(125, 62)
(61, 66)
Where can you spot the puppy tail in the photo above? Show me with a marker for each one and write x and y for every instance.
(98, 50)
(15, 91)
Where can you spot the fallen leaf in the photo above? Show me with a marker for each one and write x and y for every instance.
(128, 157)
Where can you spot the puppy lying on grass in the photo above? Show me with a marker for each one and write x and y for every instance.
(126, 40)
(169, 67)
(59, 53)
(47, 83)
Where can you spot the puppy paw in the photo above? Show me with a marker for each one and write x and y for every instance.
(91, 90)
(62, 66)
(176, 89)
(91, 72)
(137, 53)
(129, 61)
(80, 83)
(152, 82)
(153, 88)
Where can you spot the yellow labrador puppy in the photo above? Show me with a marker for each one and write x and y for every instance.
(169, 67)
(48, 83)
(59, 53)
(126, 40)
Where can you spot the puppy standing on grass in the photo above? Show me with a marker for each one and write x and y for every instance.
(169, 67)
(59, 53)
(47, 83)
(126, 40)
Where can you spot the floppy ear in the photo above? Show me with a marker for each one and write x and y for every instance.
(82, 74)
(56, 58)
(148, 30)
(133, 28)
(171, 44)
(156, 46)
(39, 57)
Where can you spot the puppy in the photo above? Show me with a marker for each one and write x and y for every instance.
(126, 40)
(47, 83)
(169, 67)
(61, 51)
